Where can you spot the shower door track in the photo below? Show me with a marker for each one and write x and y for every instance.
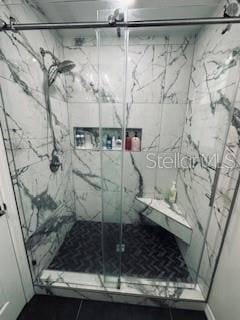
(12, 26)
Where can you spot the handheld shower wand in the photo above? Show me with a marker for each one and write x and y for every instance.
(50, 75)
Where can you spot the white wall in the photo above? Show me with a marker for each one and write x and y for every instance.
(225, 293)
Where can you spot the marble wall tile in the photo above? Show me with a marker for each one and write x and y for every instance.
(45, 203)
(23, 130)
(111, 171)
(111, 207)
(171, 130)
(88, 205)
(142, 36)
(165, 178)
(140, 115)
(138, 181)
(146, 72)
(82, 115)
(160, 36)
(83, 85)
(20, 58)
(88, 114)
(52, 235)
(44, 192)
(131, 209)
(179, 67)
(147, 63)
(86, 167)
(150, 65)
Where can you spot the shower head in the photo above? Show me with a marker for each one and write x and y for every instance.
(59, 67)
(65, 66)
(56, 67)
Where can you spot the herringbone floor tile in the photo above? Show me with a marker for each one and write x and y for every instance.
(150, 251)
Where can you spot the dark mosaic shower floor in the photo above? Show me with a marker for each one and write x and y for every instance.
(150, 251)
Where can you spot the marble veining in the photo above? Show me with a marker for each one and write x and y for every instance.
(140, 292)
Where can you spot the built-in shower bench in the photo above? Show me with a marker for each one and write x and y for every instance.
(168, 217)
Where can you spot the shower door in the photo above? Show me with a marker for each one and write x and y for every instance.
(182, 102)
(147, 91)
(112, 71)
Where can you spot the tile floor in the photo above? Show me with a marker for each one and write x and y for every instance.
(58, 308)
(150, 251)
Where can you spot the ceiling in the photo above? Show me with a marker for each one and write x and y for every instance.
(91, 10)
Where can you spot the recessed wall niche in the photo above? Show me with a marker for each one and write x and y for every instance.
(88, 138)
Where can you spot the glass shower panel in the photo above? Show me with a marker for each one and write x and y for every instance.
(216, 87)
(60, 211)
(159, 67)
(85, 237)
(44, 197)
(112, 65)
(212, 95)
(175, 97)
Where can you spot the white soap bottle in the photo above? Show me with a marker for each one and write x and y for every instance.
(119, 143)
(113, 142)
(173, 193)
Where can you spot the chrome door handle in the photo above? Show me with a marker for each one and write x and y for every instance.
(214, 186)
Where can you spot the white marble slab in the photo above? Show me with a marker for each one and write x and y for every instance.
(170, 218)
(80, 283)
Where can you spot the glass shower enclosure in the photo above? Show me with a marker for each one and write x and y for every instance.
(141, 124)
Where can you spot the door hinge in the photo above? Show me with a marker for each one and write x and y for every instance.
(120, 247)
